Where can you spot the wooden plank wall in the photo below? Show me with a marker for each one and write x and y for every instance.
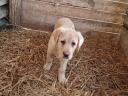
(88, 15)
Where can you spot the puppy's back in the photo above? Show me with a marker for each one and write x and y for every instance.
(64, 22)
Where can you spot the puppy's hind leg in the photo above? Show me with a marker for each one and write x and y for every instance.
(48, 64)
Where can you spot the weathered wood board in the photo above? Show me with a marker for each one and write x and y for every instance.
(82, 25)
(64, 10)
(122, 1)
(94, 15)
(124, 35)
(15, 11)
(124, 41)
(112, 6)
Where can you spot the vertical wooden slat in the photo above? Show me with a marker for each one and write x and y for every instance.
(124, 41)
(15, 11)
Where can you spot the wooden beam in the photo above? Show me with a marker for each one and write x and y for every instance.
(121, 1)
(64, 10)
(112, 6)
(45, 21)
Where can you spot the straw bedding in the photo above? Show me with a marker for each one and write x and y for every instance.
(99, 69)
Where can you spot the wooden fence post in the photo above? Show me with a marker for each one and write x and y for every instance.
(124, 35)
(15, 10)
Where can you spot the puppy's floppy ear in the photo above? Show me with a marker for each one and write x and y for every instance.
(57, 32)
(80, 40)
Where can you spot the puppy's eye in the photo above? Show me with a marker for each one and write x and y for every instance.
(73, 43)
(63, 42)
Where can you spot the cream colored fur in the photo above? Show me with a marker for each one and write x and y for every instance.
(63, 42)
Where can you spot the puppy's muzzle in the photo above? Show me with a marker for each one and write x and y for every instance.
(65, 55)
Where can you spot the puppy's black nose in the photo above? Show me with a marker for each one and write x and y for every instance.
(66, 55)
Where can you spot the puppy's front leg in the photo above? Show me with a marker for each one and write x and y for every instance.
(61, 72)
(48, 64)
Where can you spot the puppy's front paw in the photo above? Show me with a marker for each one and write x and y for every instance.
(47, 67)
(63, 80)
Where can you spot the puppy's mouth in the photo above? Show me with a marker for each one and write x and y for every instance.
(65, 57)
(69, 58)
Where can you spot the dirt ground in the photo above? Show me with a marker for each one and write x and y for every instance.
(99, 69)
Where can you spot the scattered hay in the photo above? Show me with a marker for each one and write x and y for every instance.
(99, 69)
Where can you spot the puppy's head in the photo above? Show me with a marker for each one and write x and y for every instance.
(67, 41)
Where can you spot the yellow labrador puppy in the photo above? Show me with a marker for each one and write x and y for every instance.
(62, 44)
